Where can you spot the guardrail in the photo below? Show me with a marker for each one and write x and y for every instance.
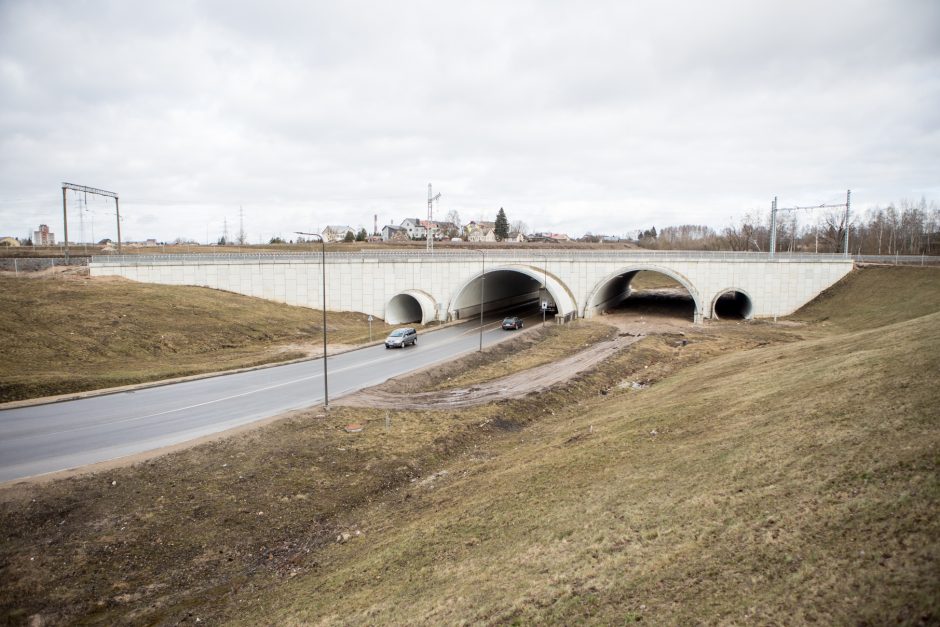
(287, 257)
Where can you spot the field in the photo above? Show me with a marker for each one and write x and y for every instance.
(762, 473)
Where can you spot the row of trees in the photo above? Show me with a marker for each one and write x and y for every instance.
(908, 228)
(905, 228)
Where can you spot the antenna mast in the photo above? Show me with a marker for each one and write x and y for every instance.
(430, 229)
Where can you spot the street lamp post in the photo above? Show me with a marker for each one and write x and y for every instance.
(482, 296)
(544, 289)
(326, 387)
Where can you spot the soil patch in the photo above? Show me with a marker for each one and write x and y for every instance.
(510, 387)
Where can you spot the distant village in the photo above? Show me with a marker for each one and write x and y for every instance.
(418, 229)
(410, 229)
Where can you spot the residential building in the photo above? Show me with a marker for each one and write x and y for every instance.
(337, 233)
(441, 230)
(481, 234)
(43, 237)
(548, 237)
(393, 233)
(475, 226)
(415, 227)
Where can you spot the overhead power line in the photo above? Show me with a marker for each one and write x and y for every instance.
(88, 190)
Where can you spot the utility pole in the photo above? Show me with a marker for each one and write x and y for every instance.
(848, 205)
(326, 387)
(775, 210)
(65, 220)
(430, 237)
(241, 226)
(88, 190)
(773, 227)
(81, 220)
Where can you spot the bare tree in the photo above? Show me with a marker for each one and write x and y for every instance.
(454, 218)
(518, 226)
(833, 232)
(748, 234)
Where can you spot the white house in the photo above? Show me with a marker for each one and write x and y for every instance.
(415, 228)
(337, 233)
(482, 235)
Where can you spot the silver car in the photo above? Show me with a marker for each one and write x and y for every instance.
(399, 338)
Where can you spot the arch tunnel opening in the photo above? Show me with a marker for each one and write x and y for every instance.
(646, 293)
(733, 305)
(504, 292)
(403, 308)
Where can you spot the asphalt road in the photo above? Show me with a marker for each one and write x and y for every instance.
(58, 436)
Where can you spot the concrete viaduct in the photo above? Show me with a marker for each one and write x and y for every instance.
(416, 286)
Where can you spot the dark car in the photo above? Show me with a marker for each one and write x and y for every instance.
(512, 323)
(399, 338)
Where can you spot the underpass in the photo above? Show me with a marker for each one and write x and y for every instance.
(424, 287)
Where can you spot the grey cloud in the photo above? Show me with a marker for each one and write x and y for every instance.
(622, 114)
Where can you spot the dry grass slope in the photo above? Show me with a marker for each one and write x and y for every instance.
(793, 482)
(790, 484)
(875, 296)
(73, 335)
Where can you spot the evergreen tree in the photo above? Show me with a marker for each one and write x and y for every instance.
(502, 226)
(361, 236)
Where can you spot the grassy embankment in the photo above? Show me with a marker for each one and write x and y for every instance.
(71, 335)
(793, 482)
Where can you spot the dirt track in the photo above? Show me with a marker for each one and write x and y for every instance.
(513, 386)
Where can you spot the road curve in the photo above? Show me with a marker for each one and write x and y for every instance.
(58, 436)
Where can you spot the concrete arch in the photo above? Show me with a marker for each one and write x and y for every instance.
(746, 304)
(559, 292)
(601, 296)
(410, 306)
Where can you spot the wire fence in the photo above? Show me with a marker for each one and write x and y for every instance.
(899, 260)
(522, 255)
(35, 264)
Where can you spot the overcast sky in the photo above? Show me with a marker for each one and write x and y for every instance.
(589, 116)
